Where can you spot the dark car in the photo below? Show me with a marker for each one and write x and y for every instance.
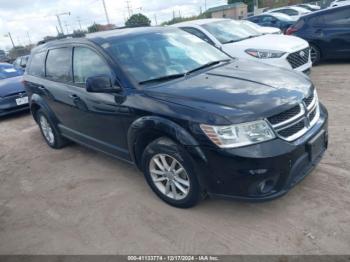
(21, 62)
(278, 20)
(327, 31)
(13, 97)
(195, 121)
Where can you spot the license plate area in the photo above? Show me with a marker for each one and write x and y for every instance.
(22, 100)
(317, 145)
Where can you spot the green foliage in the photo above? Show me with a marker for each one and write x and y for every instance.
(250, 3)
(183, 19)
(94, 28)
(138, 20)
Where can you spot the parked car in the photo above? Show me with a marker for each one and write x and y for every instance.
(3, 57)
(21, 62)
(194, 120)
(292, 11)
(13, 97)
(278, 20)
(327, 31)
(265, 30)
(240, 41)
(340, 3)
(310, 7)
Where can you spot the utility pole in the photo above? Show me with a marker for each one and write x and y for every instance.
(128, 7)
(155, 19)
(30, 41)
(106, 13)
(9, 35)
(78, 19)
(66, 25)
(205, 5)
(59, 20)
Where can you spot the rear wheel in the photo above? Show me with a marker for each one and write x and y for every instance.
(315, 54)
(169, 172)
(49, 131)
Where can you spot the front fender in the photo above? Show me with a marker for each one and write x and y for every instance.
(164, 127)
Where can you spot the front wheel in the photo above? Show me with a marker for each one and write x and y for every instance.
(169, 172)
(315, 54)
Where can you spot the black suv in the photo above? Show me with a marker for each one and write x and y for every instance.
(194, 120)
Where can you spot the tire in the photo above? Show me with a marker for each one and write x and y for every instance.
(315, 54)
(49, 130)
(183, 182)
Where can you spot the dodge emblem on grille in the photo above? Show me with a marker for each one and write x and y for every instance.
(302, 53)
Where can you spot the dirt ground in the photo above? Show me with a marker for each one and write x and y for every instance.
(78, 201)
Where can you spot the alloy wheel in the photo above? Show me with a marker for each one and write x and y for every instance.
(169, 176)
(47, 130)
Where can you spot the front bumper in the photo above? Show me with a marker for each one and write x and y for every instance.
(263, 171)
(8, 105)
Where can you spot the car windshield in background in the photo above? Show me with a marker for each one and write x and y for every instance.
(8, 71)
(162, 55)
(283, 17)
(229, 31)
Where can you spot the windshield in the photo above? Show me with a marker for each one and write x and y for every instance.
(161, 54)
(228, 31)
(283, 17)
(252, 25)
(7, 71)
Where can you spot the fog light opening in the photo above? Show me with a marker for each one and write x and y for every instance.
(266, 186)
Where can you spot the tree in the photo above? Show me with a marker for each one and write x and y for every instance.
(249, 3)
(138, 20)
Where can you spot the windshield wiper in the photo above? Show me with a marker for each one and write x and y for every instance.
(209, 64)
(162, 78)
(245, 38)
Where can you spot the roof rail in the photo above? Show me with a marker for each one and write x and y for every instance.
(74, 35)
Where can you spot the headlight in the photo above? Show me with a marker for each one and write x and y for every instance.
(264, 54)
(240, 134)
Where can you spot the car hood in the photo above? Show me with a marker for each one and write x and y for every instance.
(284, 43)
(241, 88)
(10, 86)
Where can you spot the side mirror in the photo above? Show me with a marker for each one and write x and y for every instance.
(101, 84)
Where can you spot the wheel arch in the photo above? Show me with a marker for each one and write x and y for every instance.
(36, 103)
(149, 128)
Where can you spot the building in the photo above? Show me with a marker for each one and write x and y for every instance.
(234, 11)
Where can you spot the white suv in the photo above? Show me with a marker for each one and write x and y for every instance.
(340, 3)
(239, 40)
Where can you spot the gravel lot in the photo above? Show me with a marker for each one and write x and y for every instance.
(77, 201)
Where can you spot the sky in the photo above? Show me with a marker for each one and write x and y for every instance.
(29, 21)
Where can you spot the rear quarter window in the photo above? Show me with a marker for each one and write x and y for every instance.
(37, 65)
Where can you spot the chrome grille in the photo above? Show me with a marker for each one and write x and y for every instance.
(299, 58)
(276, 119)
(296, 121)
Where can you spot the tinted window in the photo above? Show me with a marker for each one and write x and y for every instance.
(37, 67)
(58, 64)
(198, 33)
(87, 63)
(338, 18)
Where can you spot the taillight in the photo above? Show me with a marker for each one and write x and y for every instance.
(291, 30)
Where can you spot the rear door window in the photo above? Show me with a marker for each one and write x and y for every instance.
(58, 65)
(339, 18)
(37, 65)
